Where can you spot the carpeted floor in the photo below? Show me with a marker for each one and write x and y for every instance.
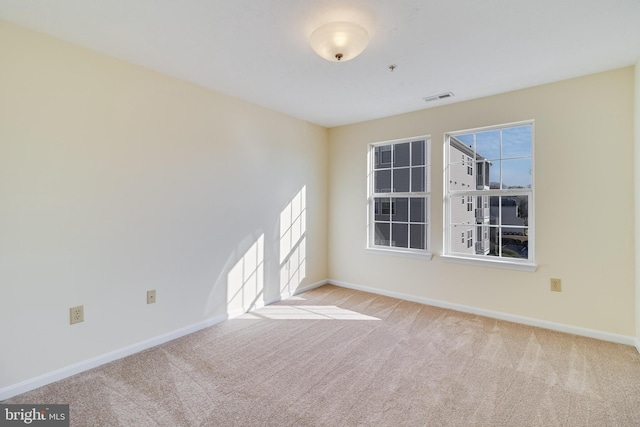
(338, 357)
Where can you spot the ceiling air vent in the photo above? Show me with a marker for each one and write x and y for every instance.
(438, 97)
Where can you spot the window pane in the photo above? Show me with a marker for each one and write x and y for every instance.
(516, 142)
(458, 240)
(401, 209)
(482, 240)
(514, 211)
(382, 234)
(417, 179)
(494, 210)
(401, 180)
(483, 170)
(417, 153)
(494, 174)
(522, 209)
(455, 150)
(508, 212)
(459, 179)
(514, 247)
(382, 156)
(417, 237)
(400, 235)
(382, 209)
(494, 238)
(401, 155)
(466, 139)
(382, 181)
(507, 245)
(488, 144)
(516, 173)
(417, 209)
(460, 164)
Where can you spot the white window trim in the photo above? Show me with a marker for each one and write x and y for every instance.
(424, 254)
(449, 196)
(496, 263)
(402, 252)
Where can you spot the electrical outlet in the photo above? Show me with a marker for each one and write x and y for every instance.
(76, 314)
(151, 296)
(556, 285)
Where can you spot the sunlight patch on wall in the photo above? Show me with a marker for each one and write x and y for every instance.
(245, 281)
(293, 243)
(307, 312)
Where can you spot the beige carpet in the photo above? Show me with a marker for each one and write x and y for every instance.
(337, 357)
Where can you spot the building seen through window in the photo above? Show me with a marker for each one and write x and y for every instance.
(491, 170)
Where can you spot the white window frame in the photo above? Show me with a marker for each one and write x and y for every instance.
(451, 197)
(371, 196)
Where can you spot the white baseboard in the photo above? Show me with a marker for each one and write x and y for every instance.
(296, 292)
(575, 330)
(62, 373)
(310, 287)
(59, 374)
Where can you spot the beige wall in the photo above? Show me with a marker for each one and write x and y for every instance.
(114, 180)
(584, 207)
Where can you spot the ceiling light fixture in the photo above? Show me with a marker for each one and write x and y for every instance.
(339, 41)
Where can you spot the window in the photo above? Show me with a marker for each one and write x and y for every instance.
(399, 195)
(498, 192)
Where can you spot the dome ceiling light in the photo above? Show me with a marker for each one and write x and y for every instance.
(339, 41)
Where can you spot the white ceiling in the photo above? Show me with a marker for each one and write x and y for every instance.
(258, 50)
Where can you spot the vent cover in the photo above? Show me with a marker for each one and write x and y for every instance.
(438, 97)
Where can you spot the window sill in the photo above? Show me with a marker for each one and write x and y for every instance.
(399, 252)
(494, 263)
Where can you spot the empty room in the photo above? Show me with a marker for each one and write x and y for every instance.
(320, 213)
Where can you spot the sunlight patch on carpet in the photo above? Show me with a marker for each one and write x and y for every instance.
(306, 312)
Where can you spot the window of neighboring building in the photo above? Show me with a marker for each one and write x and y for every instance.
(499, 195)
(399, 195)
